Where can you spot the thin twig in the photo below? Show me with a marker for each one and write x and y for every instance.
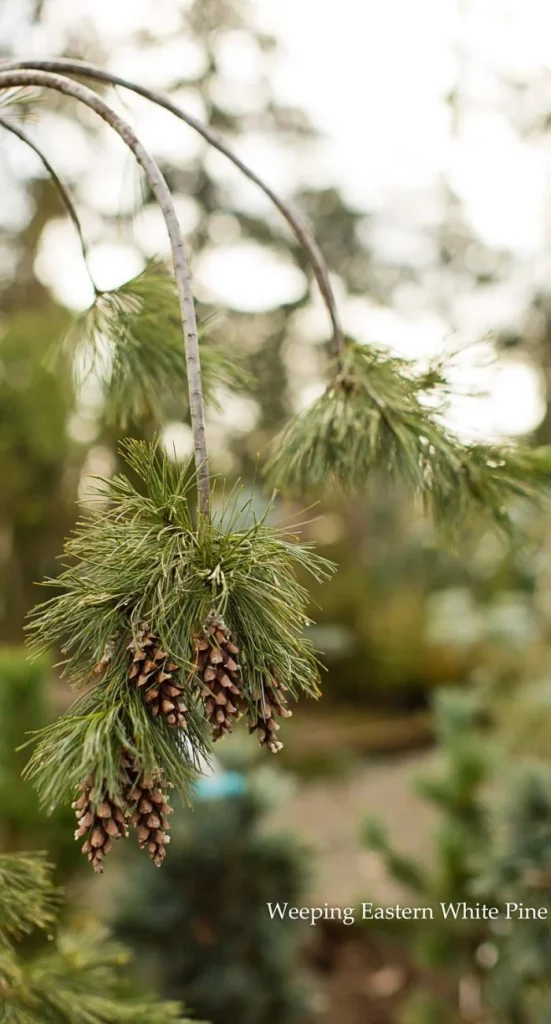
(298, 226)
(161, 191)
(15, 129)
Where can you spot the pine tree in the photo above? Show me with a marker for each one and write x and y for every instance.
(236, 964)
(520, 872)
(76, 978)
(148, 575)
(461, 844)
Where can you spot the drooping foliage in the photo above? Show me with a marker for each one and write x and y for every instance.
(382, 417)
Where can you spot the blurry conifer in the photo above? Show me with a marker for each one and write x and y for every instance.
(75, 979)
(201, 925)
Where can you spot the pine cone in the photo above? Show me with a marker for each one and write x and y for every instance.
(149, 810)
(219, 671)
(152, 671)
(262, 718)
(100, 820)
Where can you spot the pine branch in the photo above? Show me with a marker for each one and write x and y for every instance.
(298, 226)
(78, 980)
(143, 559)
(374, 420)
(16, 130)
(130, 338)
(90, 739)
(181, 268)
(27, 897)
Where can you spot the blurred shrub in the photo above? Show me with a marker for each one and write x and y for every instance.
(26, 704)
(492, 849)
(201, 925)
(36, 501)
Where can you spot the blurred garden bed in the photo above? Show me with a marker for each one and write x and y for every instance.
(328, 742)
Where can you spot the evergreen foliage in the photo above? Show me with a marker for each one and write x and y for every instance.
(130, 339)
(77, 979)
(27, 897)
(141, 557)
(201, 926)
(17, 102)
(520, 872)
(380, 415)
(487, 852)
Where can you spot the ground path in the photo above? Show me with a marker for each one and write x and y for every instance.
(327, 814)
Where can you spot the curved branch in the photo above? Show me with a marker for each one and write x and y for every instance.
(298, 226)
(162, 194)
(15, 129)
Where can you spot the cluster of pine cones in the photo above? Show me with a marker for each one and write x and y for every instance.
(140, 802)
(219, 675)
(223, 700)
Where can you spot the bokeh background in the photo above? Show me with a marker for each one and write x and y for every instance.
(416, 140)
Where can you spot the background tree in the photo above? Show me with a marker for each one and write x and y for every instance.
(491, 848)
(236, 963)
(74, 980)
(27, 704)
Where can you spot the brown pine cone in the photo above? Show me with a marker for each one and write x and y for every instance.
(149, 809)
(262, 718)
(219, 672)
(153, 672)
(100, 820)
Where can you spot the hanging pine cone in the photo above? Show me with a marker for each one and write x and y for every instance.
(149, 810)
(262, 718)
(99, 820)
(153, 673)
(218, 671)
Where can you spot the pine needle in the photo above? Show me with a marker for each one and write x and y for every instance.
(374, 421)
(17, 103)
(131, 340)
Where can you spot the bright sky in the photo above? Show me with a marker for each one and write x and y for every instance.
(374, 77)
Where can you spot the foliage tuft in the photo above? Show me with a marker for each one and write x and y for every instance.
(381, 417)
(130, 339)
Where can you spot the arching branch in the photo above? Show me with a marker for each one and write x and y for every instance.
(21, 134)
(159, 187)
(298, 226)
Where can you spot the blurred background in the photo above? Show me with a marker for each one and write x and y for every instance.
(416, 139)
